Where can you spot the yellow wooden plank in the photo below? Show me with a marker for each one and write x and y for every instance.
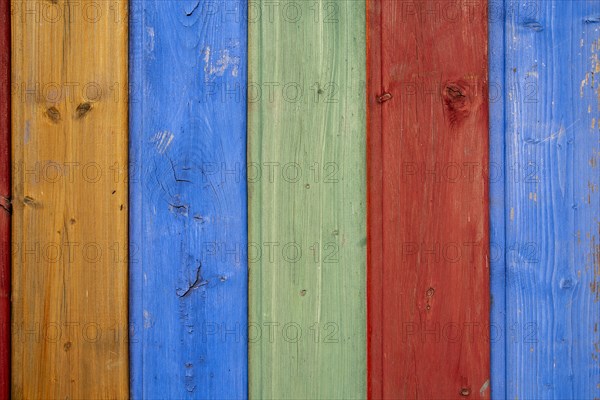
(69, 135)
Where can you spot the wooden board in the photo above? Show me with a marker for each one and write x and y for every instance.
(552, 199)
(188, 237)
(5, 206)
(306, 174)
(428, 293)
(69, 152)
(496, 177)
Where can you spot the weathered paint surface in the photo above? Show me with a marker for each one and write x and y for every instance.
(552, 203)
(69, 185)
(428, 293)
(306, 174)
(188, 237)
(5, 206)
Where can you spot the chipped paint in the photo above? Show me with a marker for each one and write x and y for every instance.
(223, 62)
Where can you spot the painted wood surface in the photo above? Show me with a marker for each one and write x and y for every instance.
(428, 293)
(496, 177)
(188, 226)
(552, 205)
(69, 152)
(306, 174)
(5, 206)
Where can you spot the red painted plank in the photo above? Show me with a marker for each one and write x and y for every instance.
(4, 199)
(428, 222)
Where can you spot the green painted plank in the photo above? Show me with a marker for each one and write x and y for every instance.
(307, 195)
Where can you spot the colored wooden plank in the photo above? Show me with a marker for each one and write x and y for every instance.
(69, 152)
(188, 237)
(428, 293)
(552, 199)
(496, 176)
(5, 206)
(306, 175)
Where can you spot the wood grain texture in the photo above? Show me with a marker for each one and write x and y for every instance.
(552, 218)
(307, 198)
(188, 270)
(5, 206)
(496, 177)
(69, 152)
(428, 259)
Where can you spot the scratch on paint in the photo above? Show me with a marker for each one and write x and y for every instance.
(150, 42)
(484, 387)
(162, 141)
(553, 136)
(220, 66)
(148, 322)
(556, 135)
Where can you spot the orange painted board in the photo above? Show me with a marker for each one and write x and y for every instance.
(70, 200)
(5, 207)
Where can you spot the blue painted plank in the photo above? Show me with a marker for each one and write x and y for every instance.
(188, 224)
(552, 199)
(497, 173)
